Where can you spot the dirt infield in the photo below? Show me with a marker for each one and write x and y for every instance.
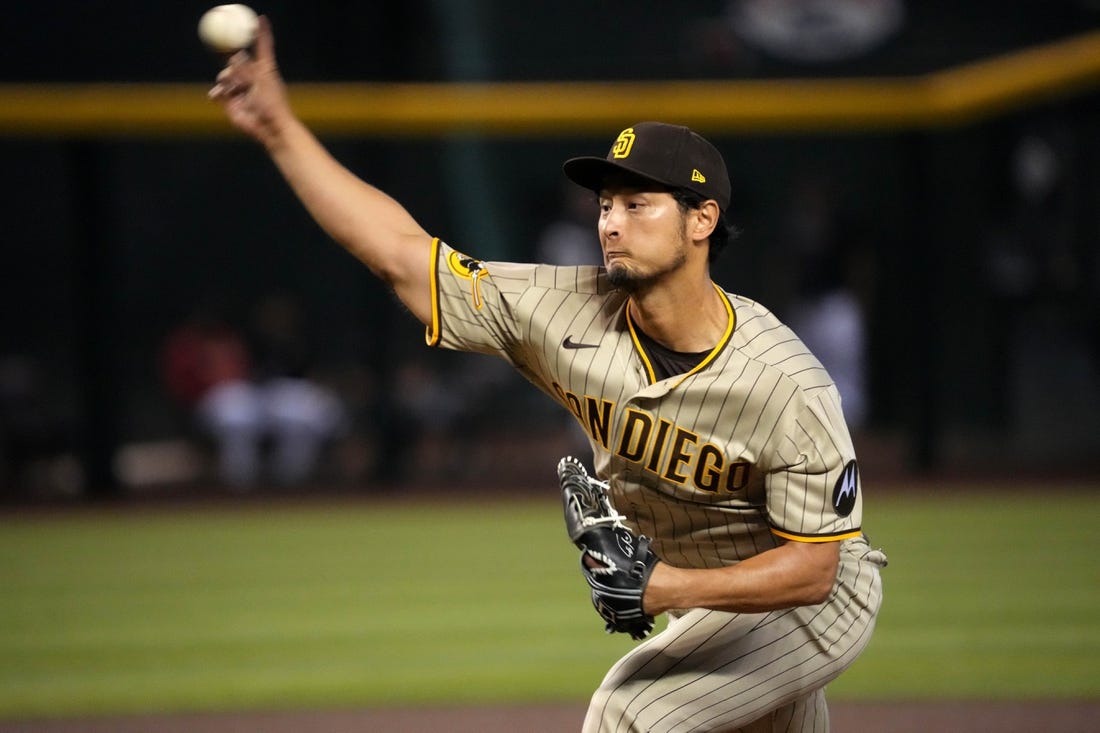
(916, 717)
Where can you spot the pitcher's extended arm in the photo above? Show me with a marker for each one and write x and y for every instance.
(363, 219)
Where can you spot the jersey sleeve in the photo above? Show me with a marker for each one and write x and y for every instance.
(473, 302)
(813, 489)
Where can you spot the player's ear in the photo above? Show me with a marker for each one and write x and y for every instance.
(703, 220)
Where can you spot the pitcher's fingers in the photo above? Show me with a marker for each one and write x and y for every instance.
(230, 85)
(265, 42)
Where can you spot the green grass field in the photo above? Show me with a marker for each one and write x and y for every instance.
(375, 603)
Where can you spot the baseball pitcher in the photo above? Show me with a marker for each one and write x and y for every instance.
(726, 491)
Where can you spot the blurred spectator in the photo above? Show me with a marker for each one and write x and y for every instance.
(827, 312)
(303, 416)
(571, 239)
(207, 368)
(36, 444)
(1039, 267)
(421, 440)
(251, 415)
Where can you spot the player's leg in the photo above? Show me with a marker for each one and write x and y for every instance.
(807, 714)
(711, 671)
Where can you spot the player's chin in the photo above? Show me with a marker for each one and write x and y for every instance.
(623, 277)
(617, 273)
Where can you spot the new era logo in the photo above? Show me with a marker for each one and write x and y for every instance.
(697, 176)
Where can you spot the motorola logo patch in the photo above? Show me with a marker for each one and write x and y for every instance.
(846, 490)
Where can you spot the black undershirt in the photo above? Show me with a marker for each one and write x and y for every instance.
(666, 362)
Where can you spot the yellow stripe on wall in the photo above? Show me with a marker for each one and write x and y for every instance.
(951, 96)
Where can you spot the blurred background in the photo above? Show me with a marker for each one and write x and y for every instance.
(172, 319)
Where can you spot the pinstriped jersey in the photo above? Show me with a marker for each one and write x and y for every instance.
(716, 465)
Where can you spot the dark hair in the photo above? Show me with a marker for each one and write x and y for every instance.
(723, 233)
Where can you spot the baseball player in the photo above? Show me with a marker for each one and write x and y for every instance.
(721, 455)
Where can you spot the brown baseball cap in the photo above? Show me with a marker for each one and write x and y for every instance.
(671, 155)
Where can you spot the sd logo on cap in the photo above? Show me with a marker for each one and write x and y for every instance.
(671, 155)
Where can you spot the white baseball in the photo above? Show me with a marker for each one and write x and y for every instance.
(228, 28)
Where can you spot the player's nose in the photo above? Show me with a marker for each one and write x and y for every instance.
(611, 223)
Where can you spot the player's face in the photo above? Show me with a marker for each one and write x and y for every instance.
(643, 236)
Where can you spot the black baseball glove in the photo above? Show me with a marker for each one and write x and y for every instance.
(615, 563)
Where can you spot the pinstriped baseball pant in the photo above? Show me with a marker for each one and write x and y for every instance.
(714, 671)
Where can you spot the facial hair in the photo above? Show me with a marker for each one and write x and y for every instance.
(628, 280)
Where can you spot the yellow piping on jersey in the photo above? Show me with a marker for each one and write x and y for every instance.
(731, 322)
(432, 335)
(816, 538)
